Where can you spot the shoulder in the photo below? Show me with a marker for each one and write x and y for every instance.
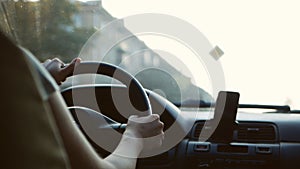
(43, 76)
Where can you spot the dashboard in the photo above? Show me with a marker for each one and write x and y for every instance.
(257, 140)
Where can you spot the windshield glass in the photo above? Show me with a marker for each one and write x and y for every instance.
(258, 40)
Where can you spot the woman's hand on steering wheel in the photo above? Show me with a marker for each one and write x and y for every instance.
(59, 70)
(146, 128)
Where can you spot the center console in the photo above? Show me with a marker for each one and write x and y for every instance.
(222, 142)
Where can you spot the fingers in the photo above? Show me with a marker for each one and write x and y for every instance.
(69, 69)
(58, 62)
(46, 62)
(160, 127)
(59, 70)
(53, 63)
(146, 126)
(144, 119)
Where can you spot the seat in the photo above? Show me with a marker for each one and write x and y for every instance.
(30, 137)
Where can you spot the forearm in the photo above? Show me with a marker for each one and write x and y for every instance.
(126, 153)
(80, 153)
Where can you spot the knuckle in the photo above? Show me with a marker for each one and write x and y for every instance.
(155, 117)
(161, 125)
(132, 117)
(55, 60)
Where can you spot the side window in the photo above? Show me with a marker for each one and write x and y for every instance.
(45, 27)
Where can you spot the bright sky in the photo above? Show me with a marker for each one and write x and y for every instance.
(260, 39)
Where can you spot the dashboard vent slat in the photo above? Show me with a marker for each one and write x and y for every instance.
(256, 132)
(197, 130)
(247, 132)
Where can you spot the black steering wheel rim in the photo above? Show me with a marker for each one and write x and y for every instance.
(135, 89)
(93, 123)
(112, 130)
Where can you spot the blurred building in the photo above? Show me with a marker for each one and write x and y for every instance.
(131, 53)
(91, 14)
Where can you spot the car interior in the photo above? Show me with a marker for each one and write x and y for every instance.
(201, 130)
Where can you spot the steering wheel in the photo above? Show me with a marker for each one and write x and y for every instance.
(90, 121)
(102, 122)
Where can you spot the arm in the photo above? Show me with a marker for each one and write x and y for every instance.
(132, 142)
(81, 154)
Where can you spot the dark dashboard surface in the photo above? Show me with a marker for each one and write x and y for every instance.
(259, 140)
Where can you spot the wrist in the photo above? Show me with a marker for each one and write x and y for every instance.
(133, 138)
(129, 146)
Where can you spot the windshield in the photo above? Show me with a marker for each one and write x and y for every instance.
(255, 42)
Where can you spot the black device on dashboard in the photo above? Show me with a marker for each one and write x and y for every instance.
(225, 116)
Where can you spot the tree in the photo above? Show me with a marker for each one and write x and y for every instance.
(46, 28)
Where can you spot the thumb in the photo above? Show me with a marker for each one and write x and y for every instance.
(68, 70)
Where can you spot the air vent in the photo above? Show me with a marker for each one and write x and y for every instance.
(197, 129)
(256, 132)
